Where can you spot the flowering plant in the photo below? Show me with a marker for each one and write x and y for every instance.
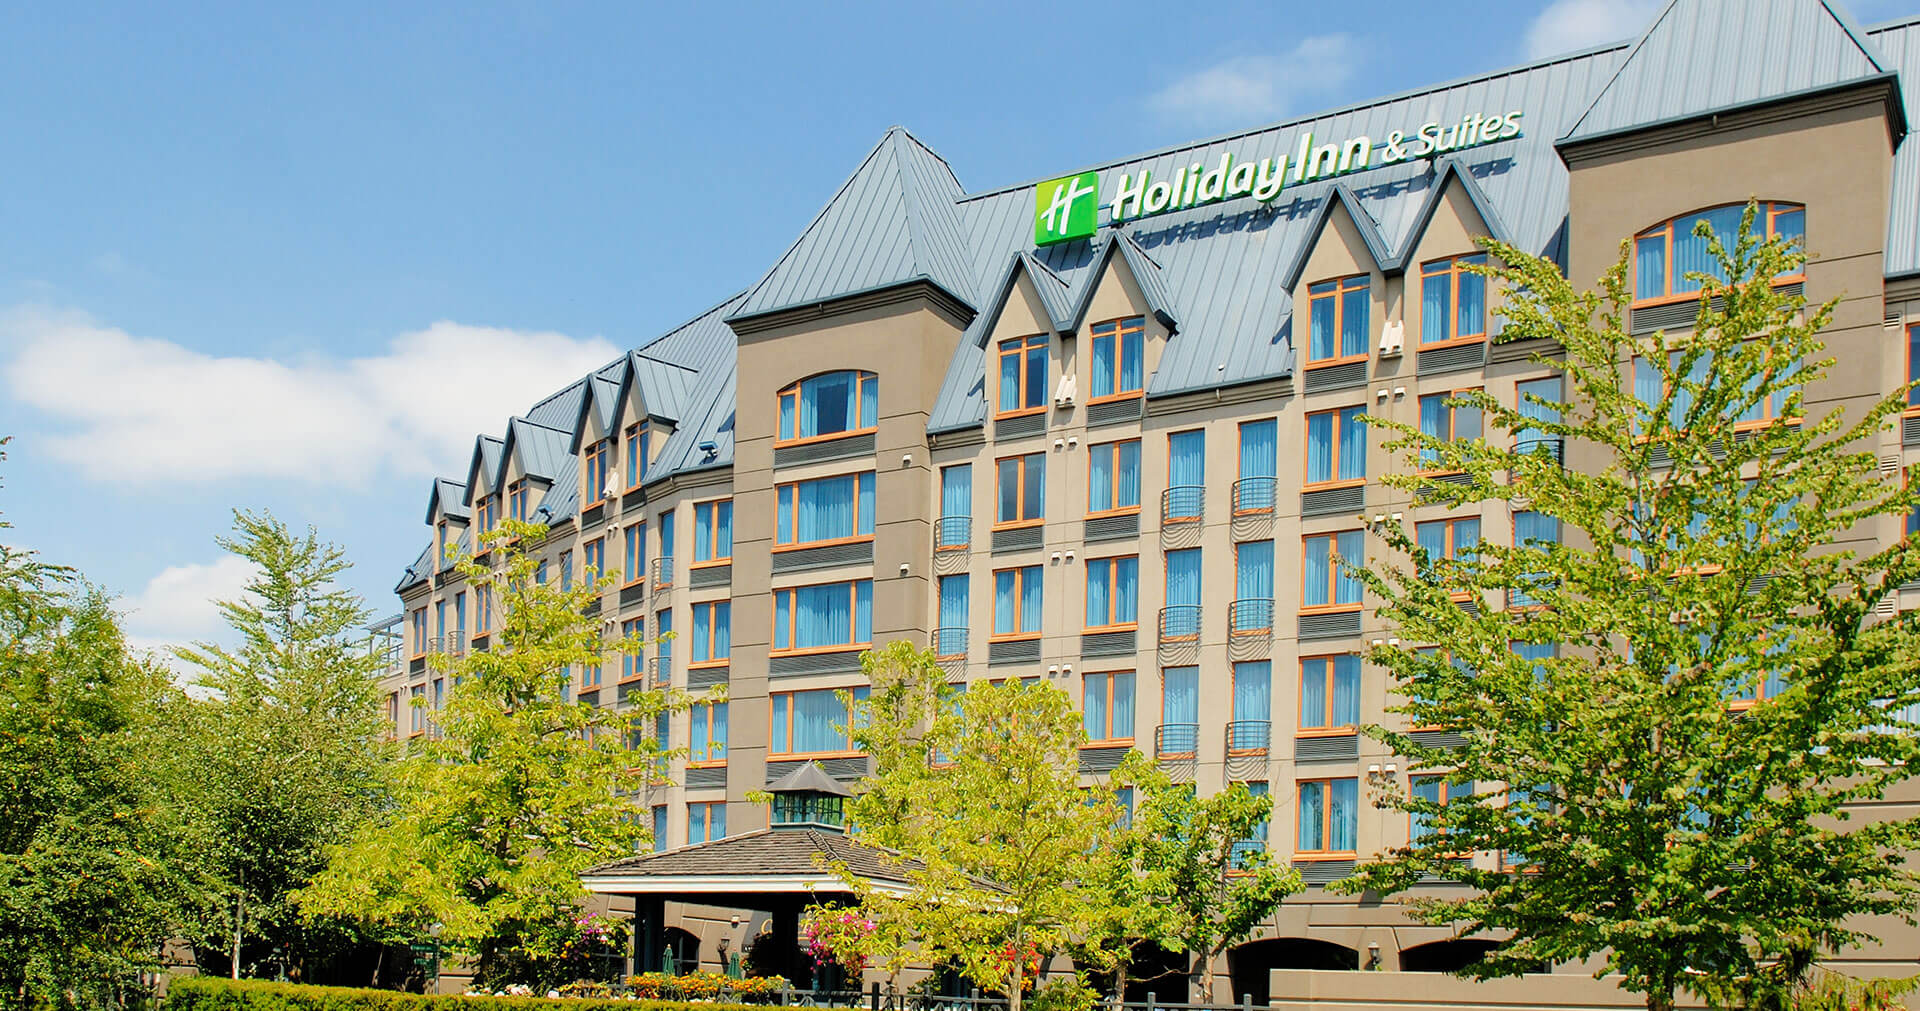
(840, 936)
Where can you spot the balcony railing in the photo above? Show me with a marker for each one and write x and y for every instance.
(662, 569)
(1243, 850)
(1255, 495)
(950, 642)
(952, 532)
(1180, 621)
(1176, 740)
(1250, 616)
(1245, 737)
(1550, 445)
(1184, 503)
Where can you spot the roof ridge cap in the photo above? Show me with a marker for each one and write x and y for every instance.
(909, 201)
(1867, 49)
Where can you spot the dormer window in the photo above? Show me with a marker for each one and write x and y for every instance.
(829, 406)
(1023, 375)
(486, 515)
(517, 500)
(1337, 320)
(636, 455)
(1665, 254)
(1119, 354)
(1453, 300)
(599, 457)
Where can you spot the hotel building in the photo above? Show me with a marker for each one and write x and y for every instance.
(1107, 430)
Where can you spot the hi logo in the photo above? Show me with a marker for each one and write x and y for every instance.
(1066, 208)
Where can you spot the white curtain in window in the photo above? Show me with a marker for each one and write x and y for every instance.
(1253, 578)
(1122, 704)
(1436, 305)
(823, 615)
(1346, 690)
(1006, 610)
(1093, 706)
(1099, 590)
(1316, 563)
(1133, 350)
(1259, 449)
(1103, 366)
(1030, 599)
(1313, 693)
(815, 716)
(1126, 589)
(1319, 447)
(1354, 329)
(1343, 814)
(1351, 547)
(1312, 813)
(1353, 443)
(1126, 478)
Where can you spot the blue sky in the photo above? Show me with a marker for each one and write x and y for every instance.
(258, 256)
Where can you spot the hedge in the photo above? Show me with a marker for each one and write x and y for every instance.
(211, 993)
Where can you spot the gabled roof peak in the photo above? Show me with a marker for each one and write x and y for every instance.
(892, 221)
(1700, 57)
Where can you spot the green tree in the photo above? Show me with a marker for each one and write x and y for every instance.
(979, 789)
(95, 865)
(1203, 864)
(286, 755)
(1690, 683)
(521, 789)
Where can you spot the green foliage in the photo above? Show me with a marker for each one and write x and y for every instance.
(979, 788)
(285, 756)
(523, 787)
(95, 868)
(207, 994)
(1064, 993)
(1664, 818)
(1183, 875)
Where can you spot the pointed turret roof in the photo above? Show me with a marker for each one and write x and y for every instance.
(892, 221)
(1708, 56)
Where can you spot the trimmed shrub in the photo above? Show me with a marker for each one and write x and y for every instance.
(208, 993)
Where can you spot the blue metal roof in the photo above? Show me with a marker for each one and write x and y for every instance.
(541, 451)
(448, 497)
(1705, 56)
(1220, 275)
(1899, 45)
(416, 573)
(892, 221)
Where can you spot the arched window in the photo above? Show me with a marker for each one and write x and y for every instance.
(828, 406)
(1664, 254)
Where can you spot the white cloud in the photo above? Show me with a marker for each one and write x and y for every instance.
(142, 409)
(1247, 90)
(1567, 25)
(179, 605)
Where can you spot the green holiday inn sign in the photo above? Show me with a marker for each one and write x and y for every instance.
(1069, 207)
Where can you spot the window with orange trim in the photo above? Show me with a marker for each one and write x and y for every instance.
(1113, 592)
(1023, 375)
(518, 500)
(1453, 301)
(483, 609)
(712, 633)
(632, 663)
(1336, 448)
(706, 821)
(633, 555)
(486, 514)
(1650, 386)
(417, 623)
(1433, 788)
(1665, 254)
(1017, 602)
(1113, 477)
(593, 558)
(707, 746)
(598, 457)
(814, 722)
(1329, 695)
(1337, 313)
(823, 617)
(1119, 357)
(1913, 366)
(713, 532)
(1106, 705)
(828, 406)
(1447, 540)
(1328, 813)
(1328, 562)
(827, 510)
(1448, 422)
(1022, 490)
(637, 438)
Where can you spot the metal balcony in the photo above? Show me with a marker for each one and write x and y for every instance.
(1179, 622)
(952, 532)
(950, 642)
(1184, 503)
(1246, 737)
(1250, 616)
(1551, 446)
(1255, 495)
(662, 573)
(1176, 740)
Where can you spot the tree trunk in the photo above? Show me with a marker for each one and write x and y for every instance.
(239, 914)
(1206, 977)
(1120, 984)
